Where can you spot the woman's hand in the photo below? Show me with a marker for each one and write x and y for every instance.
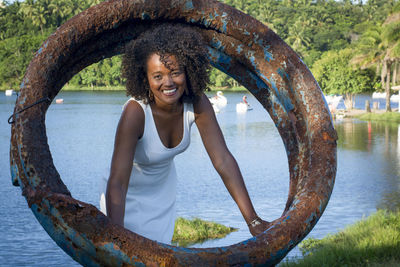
(257, 226)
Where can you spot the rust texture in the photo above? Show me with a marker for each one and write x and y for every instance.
(239, 45)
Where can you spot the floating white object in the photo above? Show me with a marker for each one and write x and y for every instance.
(378, 95)
(333, 101)
(59, 101)
(395, 98)
(9, 92)
(243, 106)
(219, 100)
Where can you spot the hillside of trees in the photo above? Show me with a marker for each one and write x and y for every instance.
(350, 46)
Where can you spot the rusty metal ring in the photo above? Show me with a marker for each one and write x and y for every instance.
(239, 45)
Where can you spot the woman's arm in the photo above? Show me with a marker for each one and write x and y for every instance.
(130, 129)
(225, 164)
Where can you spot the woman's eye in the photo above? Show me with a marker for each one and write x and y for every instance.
(157, 77)
(176, 73)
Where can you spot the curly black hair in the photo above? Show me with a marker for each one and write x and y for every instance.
(165, 39)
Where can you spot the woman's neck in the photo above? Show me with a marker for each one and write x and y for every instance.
(165, 108)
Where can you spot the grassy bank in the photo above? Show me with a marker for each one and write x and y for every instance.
(228, 89)
(387, 116)
(193, 231)
(374, 241)
(94, 88)
(122, 88)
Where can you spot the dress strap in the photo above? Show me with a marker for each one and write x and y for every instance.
(138, 101)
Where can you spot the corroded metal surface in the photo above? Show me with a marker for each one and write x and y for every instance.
(238, 45)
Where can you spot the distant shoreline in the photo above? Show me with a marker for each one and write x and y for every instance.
(122, 88)
(374, 115)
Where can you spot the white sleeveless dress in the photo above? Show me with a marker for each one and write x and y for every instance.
(150, 201)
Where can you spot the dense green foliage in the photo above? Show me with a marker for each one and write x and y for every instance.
(336, 76)
(193, 231)
(374, 241)
(365, 33)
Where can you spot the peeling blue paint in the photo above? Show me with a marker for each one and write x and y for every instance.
(39, 51)
(22, 163)
(221, 58)
(224, 22)
(217, 44)
(250, 56)
(284, 75)
(311, 218)
(58, 234)
(194, 250)
(145, 16)
(268, 55)
(261, 85)
(251, 239)
(25, 80)
(275, 101)
(14, 174)
(118, 254)
(79, 239)
(304, 100)
(189, 5)
(239, 48)
(286, 218)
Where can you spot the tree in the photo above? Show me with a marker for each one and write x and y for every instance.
(297, 39)
(336, 75)
(15, 54)
(391, 42)
(37, 11)
(380, 46)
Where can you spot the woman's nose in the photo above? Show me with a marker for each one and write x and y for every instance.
(168, 81)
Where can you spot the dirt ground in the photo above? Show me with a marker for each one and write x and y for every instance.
(355, 112)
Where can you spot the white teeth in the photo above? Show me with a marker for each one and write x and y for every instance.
(169, 91)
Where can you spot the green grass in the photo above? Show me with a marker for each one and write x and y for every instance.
(228, 89)
(387, 116)
(122, 88)
(374, 241)
(188, 232)
(94, 88)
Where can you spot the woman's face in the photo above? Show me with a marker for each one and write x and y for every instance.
(167, 84)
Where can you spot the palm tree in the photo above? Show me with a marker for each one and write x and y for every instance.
(37, 11)
(27, 8)
(380, 46)
(61, 10)
(297, 38)
(391, 41)
(372, 52)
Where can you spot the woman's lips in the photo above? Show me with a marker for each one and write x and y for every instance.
(169, 91)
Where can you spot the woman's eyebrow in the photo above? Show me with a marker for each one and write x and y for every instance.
(156, 72)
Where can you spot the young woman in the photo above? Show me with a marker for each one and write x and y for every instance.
(166, 71)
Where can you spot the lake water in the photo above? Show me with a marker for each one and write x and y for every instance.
(81, 133)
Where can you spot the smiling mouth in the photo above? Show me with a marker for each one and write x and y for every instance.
(169, 92)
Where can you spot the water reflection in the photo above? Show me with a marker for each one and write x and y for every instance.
(378, 138)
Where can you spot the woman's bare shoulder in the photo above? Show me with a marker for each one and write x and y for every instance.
(132, 118)
(133, 106)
